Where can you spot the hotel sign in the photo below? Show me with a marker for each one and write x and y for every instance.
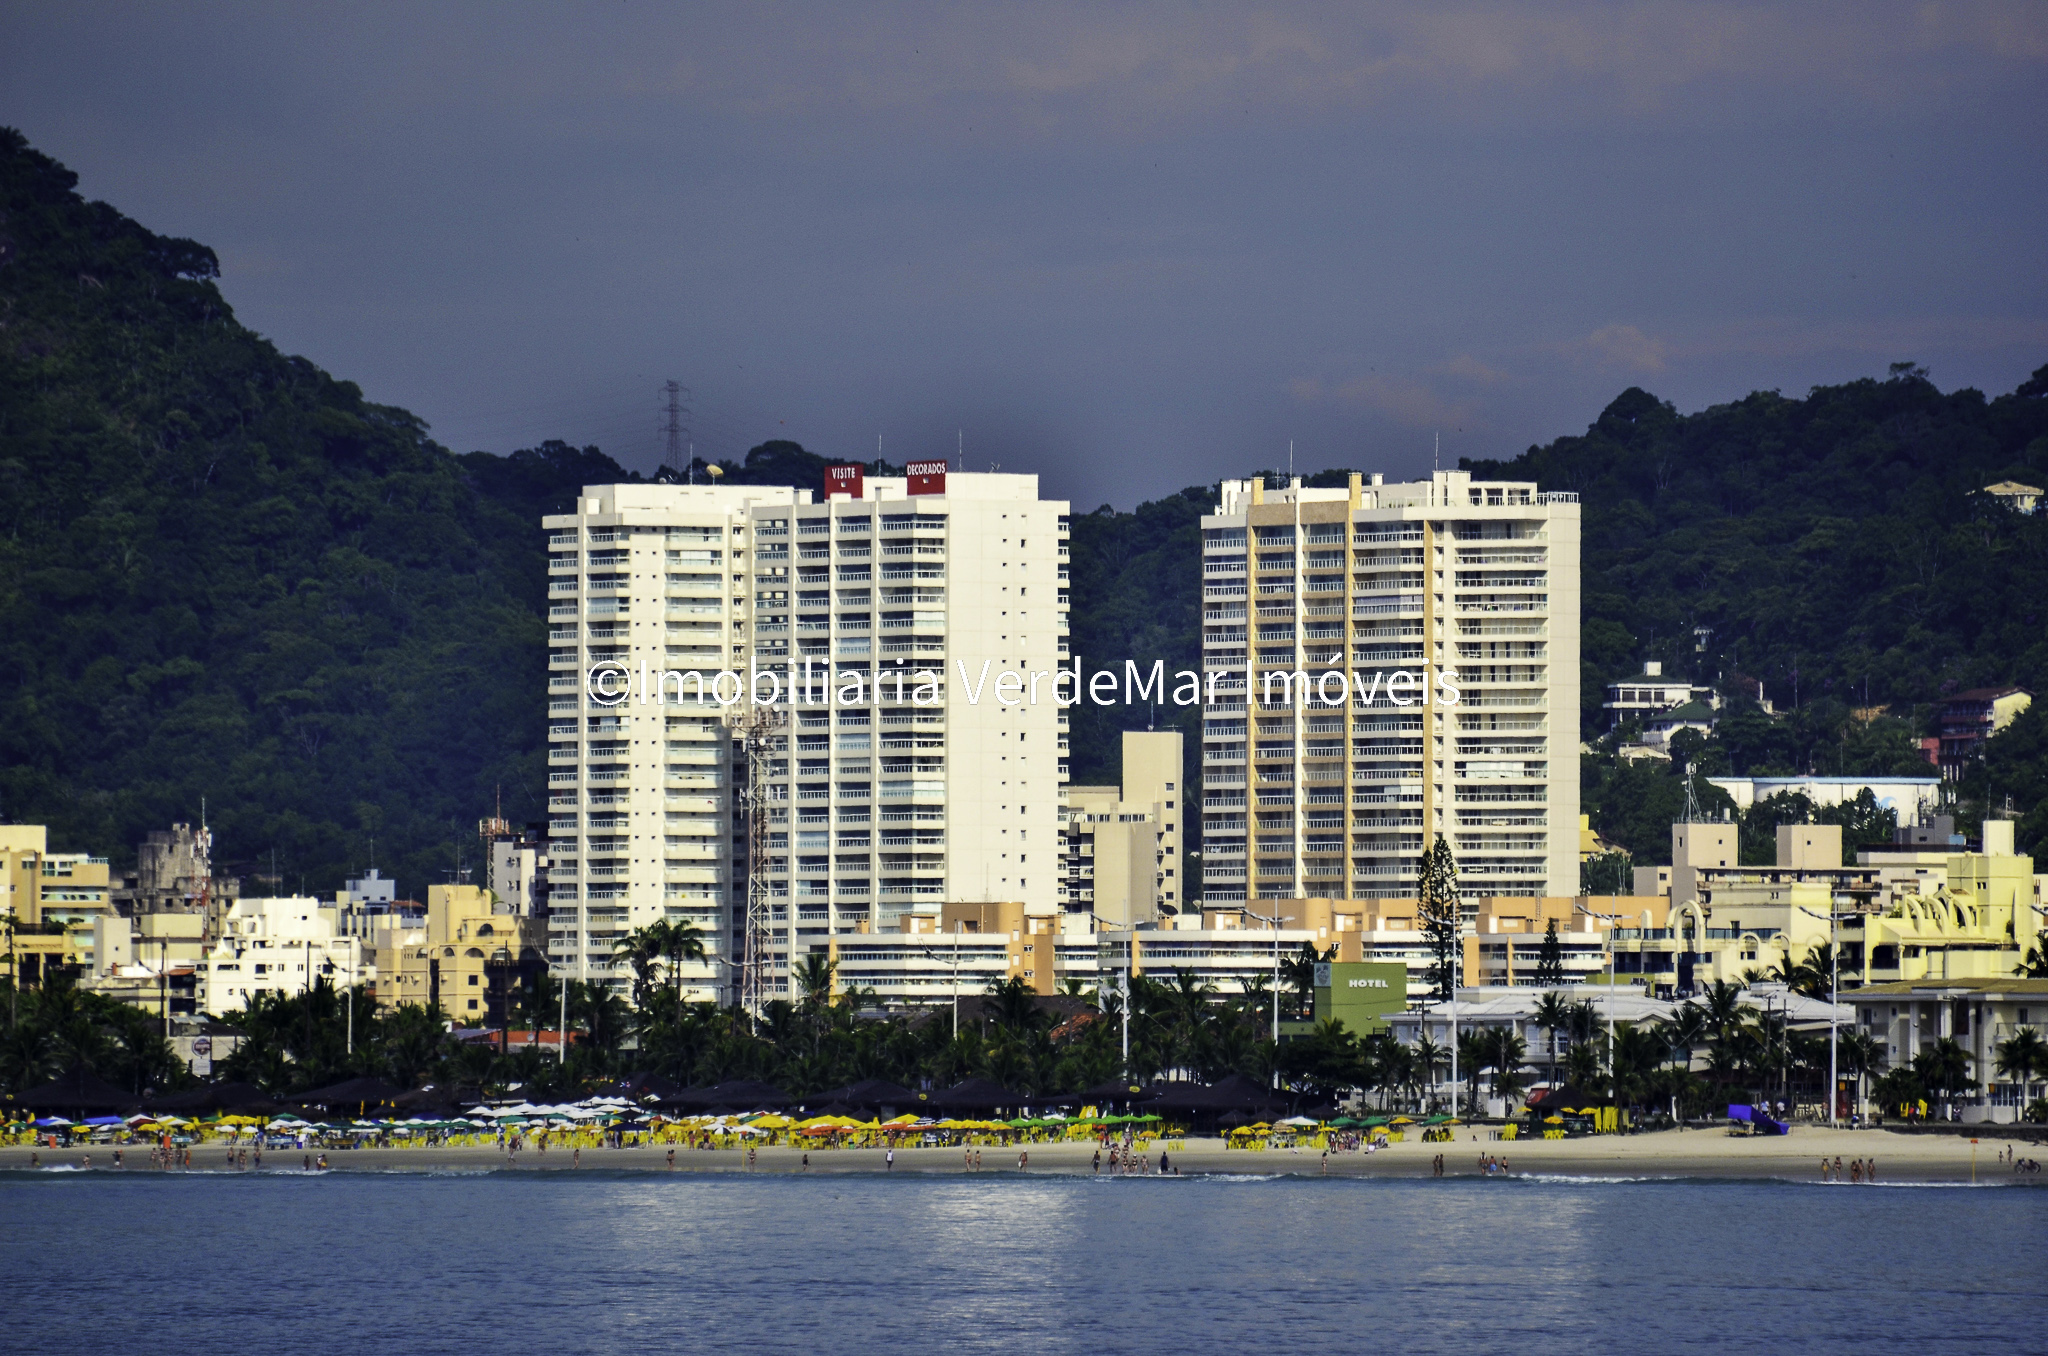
(927, 477)
(1360, 994)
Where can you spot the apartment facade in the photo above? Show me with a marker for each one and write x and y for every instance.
(278, 945)
(1385, 663)
(1121, 844)
(873, 625)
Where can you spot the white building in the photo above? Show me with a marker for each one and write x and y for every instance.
(1416, 591)
(906, 772)
(277, 946)
(1913, 799)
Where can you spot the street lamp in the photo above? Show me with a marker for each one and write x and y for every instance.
(1834, 1002)
(1274, 920)
(954, 965)
(1613, 1072)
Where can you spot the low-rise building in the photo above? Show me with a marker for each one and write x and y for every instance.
(1650, 693)
(277, 945)
(1907, 1017)
(473, 957)
(1911, 799)
(1969, 719)
(932, 955)
(1894, 916)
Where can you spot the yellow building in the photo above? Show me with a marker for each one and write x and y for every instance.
(1972, 918)
(1120, 846)
(49, 901)
(472, 957)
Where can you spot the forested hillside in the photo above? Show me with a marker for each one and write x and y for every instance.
(226, 574)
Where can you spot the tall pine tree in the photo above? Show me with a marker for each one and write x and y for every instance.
(1550, 960)
(1437, 903)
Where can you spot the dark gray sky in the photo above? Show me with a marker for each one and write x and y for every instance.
(1129, 247)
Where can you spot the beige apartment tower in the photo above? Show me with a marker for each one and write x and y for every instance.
(1451, 608)
(1123, 844)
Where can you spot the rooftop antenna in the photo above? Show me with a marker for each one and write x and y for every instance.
(1290, 459)
(1436, 459)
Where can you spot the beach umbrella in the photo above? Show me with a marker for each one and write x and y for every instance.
(50, 1122)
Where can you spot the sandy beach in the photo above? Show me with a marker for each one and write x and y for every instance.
(1900, 1158)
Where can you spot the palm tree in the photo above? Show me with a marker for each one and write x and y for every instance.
(1857, 1053)
(1552, 1013)
(1506, 1051)
(2035, 966)
(1472, 1056)
(671, 943)
(1427, 1059)
(2020, 1056)
(1945, 1068)
(814, 979)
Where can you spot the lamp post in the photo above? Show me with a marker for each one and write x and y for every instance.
(1613, 1072)
(954, 965)
(1274, 922)
(1834, 1002)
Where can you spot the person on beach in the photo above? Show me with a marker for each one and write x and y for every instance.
(807, 1160)
(117, 1158)
(1165, 1164)
(889, 1161)
(576, 1158)
(1098, 1160)
(323, 1162)
(672, 1160)
(1870, 1170)
(1024, 1160)
(308, 1164)
(35, 1160)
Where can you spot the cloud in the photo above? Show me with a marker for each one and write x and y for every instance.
(1402, 399)
(1472, 370)
(1625, 346)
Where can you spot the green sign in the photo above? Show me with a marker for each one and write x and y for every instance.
(1360, 994)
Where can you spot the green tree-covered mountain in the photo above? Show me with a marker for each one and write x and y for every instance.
(226, 574)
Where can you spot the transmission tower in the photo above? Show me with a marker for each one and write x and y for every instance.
(755, 731)
(674, 429)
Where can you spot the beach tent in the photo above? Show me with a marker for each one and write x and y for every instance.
(976, 1094)
(241, 1098)
(359, 1093)
(79, 1092)
(870, 1094)
(741, 1092)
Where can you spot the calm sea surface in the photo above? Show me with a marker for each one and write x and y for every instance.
(534, 1262)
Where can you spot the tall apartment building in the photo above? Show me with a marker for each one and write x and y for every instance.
(896, 778)
(1122, 844)
(1412, 591)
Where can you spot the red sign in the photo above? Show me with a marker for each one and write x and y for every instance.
(927, 477)
(844, 480)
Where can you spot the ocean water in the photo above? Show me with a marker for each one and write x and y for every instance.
(597, 1262)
